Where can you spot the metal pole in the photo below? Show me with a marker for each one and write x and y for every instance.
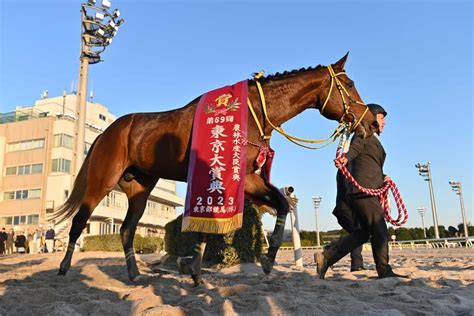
(296, 237)
(422, 211)
(81, 100)
(461, 199)
(316, 203)
(433, 202)
(81, 115)
(318, 239)
(423, 224)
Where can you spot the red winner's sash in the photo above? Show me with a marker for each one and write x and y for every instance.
(216, 174)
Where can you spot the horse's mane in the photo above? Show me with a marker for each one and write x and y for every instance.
(278, 75)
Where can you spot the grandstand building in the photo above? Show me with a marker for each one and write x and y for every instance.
(36, 161)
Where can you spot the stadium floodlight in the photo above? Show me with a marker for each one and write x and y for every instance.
(106, 4)
(116, 13)
(100, 32)
(99, 16)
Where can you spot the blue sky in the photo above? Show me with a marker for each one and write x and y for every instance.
(413, 57)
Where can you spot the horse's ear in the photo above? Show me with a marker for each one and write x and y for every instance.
(339, 65)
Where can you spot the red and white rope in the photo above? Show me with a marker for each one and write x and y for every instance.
(382, 192)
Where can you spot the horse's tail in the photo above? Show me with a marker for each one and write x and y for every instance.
(74, 201)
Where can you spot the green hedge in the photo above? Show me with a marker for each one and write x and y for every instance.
(114, 243)
(243, 245)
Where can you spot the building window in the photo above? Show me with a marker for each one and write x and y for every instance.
(37, 168)
(25, 169)
(102, 117)
(20, 220)
(34, 193)
(33, 219)
(22, 194)
(26, 145)
(152, 208)
(113, 199)
(8, 195)
(63, 140)
(10, 171)
(61, 165)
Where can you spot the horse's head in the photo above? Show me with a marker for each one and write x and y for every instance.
(340, 100)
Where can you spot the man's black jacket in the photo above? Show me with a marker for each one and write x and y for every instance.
(366, 158)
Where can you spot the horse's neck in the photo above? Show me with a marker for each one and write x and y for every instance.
(286, 98)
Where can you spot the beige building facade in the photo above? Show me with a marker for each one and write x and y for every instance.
(37, 159)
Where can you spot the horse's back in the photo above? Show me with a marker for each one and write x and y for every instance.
(157, 142)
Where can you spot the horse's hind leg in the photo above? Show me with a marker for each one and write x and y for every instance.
(78, 224)
(98, 176)
(196, 263)
(137, 192)
(257, 189)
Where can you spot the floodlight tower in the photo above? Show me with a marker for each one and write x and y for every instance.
(316, 204)
(99, 26)
(457, 187)
(422, 211)
(425, 172)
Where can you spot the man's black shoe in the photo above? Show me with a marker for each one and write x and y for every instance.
(392, 274)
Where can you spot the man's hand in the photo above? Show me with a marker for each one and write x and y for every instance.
(341, 161)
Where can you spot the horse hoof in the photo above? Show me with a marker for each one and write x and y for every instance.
(267, 264)
(197, 280)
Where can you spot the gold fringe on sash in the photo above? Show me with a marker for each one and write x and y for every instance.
(212, 225)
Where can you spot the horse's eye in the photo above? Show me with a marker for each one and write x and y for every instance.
(350, 84)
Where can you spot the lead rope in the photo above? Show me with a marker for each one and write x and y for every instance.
(382, 192)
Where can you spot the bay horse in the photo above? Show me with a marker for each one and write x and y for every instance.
(138, 149)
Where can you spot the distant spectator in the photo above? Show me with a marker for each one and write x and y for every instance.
(49, 236)
(38, 239)
(10, 239)
(20, 242)
(453, 232)
(3, 241)
(31, 241)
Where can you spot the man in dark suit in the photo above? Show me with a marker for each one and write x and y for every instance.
(347, 219)
(366, 157)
